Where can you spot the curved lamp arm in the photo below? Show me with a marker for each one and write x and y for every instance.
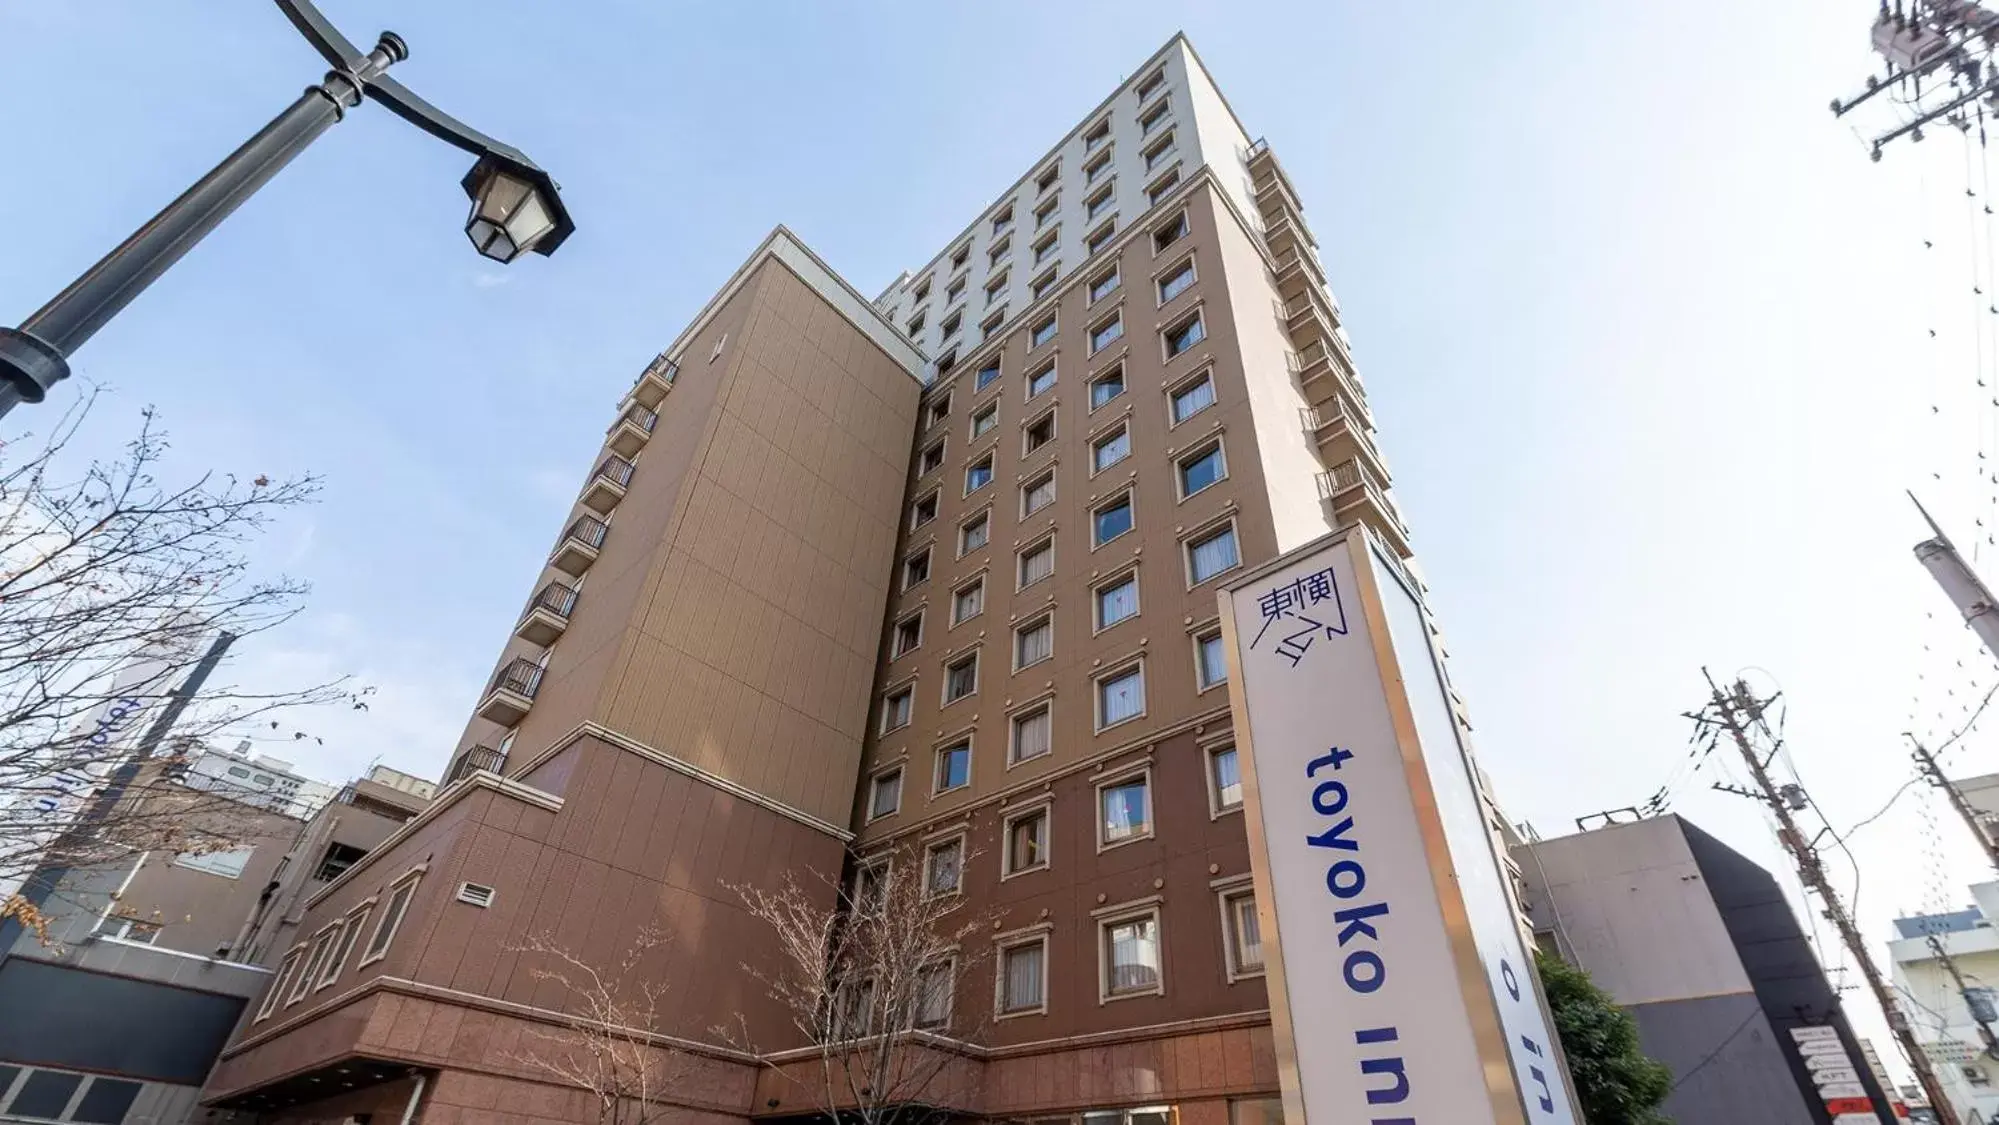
(341, 53)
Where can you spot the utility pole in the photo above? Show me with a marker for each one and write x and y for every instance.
(1926, 764)
(1730, 710)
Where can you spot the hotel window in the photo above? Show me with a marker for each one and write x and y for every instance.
(1031, 735)
(1101, 237)
(951, 324)
(975, 534)
(1193, 396)
(1039, 432)
(922, 292)
(1153, 119)
(1102, 201)
(1046, 247)
(392, 918)
(1201, 468)
(1162, 187)
(1002, 220)
(1107, 386)
(968, 602)
(1211, 665)
(1097, 136)
(986, 375)
(1120, 696)
(1037, 563)
(896, 708)
(1224, 778)
(954, 767)
(984, 419)
(934, 985)
(1097, 168)
(1170, 232)
(350, 938)
(954, 291)
(1131, 955)
(908, 634)
(1111, 520)
(979, 474)
(884, 796)
(1045, 284)
(1104, 285)
(1033, 643)
(916, 569)
(999, 251)
(1041, 381)
(1037, 494)
(1126, 807)
(1112, 447)
(1176, 282)
(1027, 841)
(280, 982)
(1047, 211)
(939, 410)
(1243, 933)
(931, 459)
(1212, 554)
(960, 255)
(1107, 333)
(946, 362)
(1185, 335)
(944, 868)
(991, 324)
(1048, 178)
(1160, 150)
(1022, 978)
(871, 880)
(961, 678)
(996, 289)
(916, 326)
(1117, 601)
(1043, 332)
(1152, 85)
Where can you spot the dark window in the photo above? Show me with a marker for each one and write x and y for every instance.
(106, 1102)
(339, 857)
(45, 1094)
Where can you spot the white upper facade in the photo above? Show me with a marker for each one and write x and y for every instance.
(1151, 135)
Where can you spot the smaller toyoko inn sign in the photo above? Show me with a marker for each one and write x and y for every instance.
(1400, 986)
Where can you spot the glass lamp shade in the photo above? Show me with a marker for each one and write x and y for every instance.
(508, 217)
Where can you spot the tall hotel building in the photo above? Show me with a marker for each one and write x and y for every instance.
(936, 569)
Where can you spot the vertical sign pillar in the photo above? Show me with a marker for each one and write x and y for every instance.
(1400, 986)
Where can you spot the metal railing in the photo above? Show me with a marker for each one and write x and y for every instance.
(476, 759)
(588, 530)
(1346, 475)
(557, 598)
(617, 470)
(641, 417)
(1316, 418)
(520, 676)
(666, 369)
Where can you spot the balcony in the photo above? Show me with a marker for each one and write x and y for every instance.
(607, 484)
(1298, 270)
(658, 379)
(1309, 316)
(1343, 434)
(1284, 233)
(512, 693)
(474, 760)
(1357, 495)
(548, 615)
(579, 546)
(633, 430)
(1275, 196)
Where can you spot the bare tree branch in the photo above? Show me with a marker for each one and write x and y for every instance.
(608, 1048)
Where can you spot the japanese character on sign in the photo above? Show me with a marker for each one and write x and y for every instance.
(1308, 606)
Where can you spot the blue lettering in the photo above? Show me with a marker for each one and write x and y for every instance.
(1334, 757)
(1334, 837)
(1355, 882)
(1357, 961)
(1353, 921)
(1339, 801)
(1394, 1066)
(1511, 981)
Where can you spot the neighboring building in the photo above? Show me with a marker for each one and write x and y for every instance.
(256, 779)
(354, 823)
(1875, 1067)
(117, 1013)
(936, 570)
(1946, 1019)
(1701, 946)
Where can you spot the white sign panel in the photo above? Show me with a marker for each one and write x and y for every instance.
(1405, 985)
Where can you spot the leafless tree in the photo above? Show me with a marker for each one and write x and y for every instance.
(871, 973)
(113, 585)
(611, 1047)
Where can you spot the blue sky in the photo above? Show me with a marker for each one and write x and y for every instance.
(1646, 333)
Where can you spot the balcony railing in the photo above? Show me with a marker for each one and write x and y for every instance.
(476, 759)
(578, 548)
(1357, 493)
(607, 484)
(512, 693)
(589, 531)
(658, 379)
(547, 617)
(633, 430)
(556, 598)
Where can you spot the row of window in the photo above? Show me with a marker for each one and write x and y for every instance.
(42, 1094)
(315, 965)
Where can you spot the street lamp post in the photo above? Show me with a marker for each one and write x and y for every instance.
(515, 205)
